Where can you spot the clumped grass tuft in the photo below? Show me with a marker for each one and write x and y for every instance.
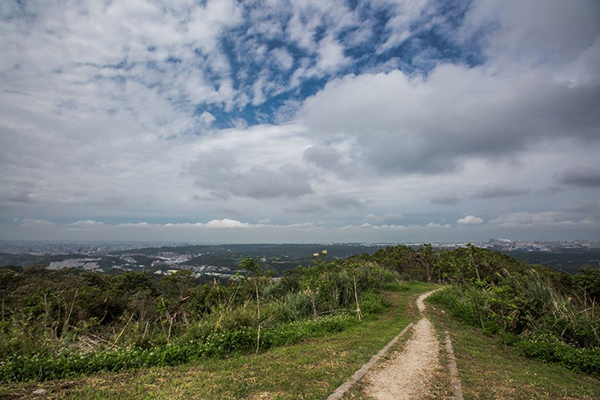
(218, 344)
(175, 321)
(528, 312)
(489, 369)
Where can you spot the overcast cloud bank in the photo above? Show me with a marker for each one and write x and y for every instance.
(186, 121)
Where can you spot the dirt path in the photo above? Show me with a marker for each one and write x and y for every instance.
(408, 373)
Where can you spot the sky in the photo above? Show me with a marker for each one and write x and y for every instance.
(225, 121)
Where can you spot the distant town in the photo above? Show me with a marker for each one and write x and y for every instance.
(220, 261)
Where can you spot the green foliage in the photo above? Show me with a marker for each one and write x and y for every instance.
(588, 280)
(60, 323)
(532, 315)
(219, 344)
(252, 267)
(519, 302)
(84, 322)
(132, 282)
(549, 348)
(372, 303)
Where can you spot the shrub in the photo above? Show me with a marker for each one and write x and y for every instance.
(59, 323)
(371, 303)
(543, 324)
(219, 344)
(550, 349)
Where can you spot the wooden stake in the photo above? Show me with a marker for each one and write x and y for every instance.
(123, 330)
(314, 304)
(358, 313)
(70, 311)
(258, 309)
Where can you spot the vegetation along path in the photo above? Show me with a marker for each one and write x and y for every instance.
(408, 372)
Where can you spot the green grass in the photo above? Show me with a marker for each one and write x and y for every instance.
(219, 345)
(310, 369)
(490, 370)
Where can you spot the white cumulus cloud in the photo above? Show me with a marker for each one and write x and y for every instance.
(470, 220)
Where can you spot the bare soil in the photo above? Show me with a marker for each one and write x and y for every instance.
(408, 373)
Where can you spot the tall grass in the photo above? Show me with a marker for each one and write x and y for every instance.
(528, 311)
(216, 344)
(180, 321)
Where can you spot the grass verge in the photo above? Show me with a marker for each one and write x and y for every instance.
(310, 369)
(490, 370)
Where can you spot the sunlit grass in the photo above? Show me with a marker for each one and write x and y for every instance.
(310, 369)
(489, 370)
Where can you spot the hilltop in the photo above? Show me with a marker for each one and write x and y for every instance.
(71, 324)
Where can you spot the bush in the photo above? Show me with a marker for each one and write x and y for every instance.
(59, 323)
(216, 345)
(371, 303)
(458, 304)
(548, 317)
(550, 349)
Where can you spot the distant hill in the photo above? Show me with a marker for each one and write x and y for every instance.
(568, 260)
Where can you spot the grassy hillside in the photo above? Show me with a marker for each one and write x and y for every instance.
(64, 323)
(174, 333)
(310, 369)
(489, 369)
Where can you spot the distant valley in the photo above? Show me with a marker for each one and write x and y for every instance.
(209, 262)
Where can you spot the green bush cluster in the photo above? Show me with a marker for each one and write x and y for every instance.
(549, 348)
(532, 316)
(58, 323)
(519, 302)
(461, 304)
(82, 322)
(64, 365)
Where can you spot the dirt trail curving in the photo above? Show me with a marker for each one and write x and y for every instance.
(408, 373)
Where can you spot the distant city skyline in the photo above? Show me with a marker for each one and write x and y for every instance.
(300, 121)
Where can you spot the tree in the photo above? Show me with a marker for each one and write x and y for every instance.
(588, 279)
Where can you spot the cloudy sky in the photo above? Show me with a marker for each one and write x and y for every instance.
(300, 121)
